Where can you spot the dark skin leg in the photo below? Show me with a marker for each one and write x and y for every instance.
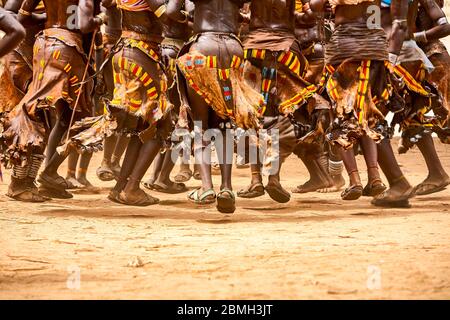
(388, 163)
(185, 173)
(109, 145)
(200, 113)
(167, 167)
(256, 173)
(185, 167)
(85, 159)
(121, 146)
(337, 179)
(130, 159)
(55, 137)
(146, 155)
(114, 147)
(156, 170)
(369, 148)
(226, 165)
(72, 162)
(436, 172)
(256, 180)
(319, 177)
(348, 156)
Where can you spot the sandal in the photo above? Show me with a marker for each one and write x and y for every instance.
(386, 200)
(28, 196)
(114, 196)
(149, 184)
(207, 197)
(53, 183)
(352, 193)
(116, 168)
(197, 175)
(374, 188)
(183, 176)
(174, 188)
(105, 174)
(426, 188)
(226, 204)
(53, 193)
(141, 199)
(277, 193)
(254, 190)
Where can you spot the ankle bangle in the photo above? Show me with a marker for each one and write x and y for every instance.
(398, 179)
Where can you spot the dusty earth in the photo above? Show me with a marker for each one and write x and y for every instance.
(315, 247)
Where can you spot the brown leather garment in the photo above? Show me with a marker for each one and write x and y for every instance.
(357, 42)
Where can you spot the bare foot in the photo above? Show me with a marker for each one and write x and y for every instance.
(432, 185)
(115, 167)
(85, 182)
(311, 186)
(397, 196)
(73, 183)
(338, 184)
(137, 198)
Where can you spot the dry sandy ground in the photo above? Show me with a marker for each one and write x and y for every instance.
(315, 247)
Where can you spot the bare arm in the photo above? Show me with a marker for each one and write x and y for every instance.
(399, 12)
(15, 5)
(318, 5)
(174, 10)
(26, 11)
(15, 32)
(441, 28)
(113, 14)
(306, 16)
(88, 21)
(158, 7)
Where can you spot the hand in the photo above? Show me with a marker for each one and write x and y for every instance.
(108, 3)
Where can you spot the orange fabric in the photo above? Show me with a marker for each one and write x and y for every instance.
(133, 5)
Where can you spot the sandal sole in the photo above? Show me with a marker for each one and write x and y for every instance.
(226, 205)
(277, 195)
(352, 195)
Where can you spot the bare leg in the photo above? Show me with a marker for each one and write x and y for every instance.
(400, 190)
(155, 171)
(375, 185)
(185, 173)
(226, 202)
(319, 177)
(335, 168)
(50, 173)
(132, 194)
(388, 163)
(121, 145)
(130, 159)
(163, 182)
(437, 178)
(85, 159)
(256, 187)
(71, 178)
(104, 172)
(52, 184)
(355, 189)
(200, 112)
